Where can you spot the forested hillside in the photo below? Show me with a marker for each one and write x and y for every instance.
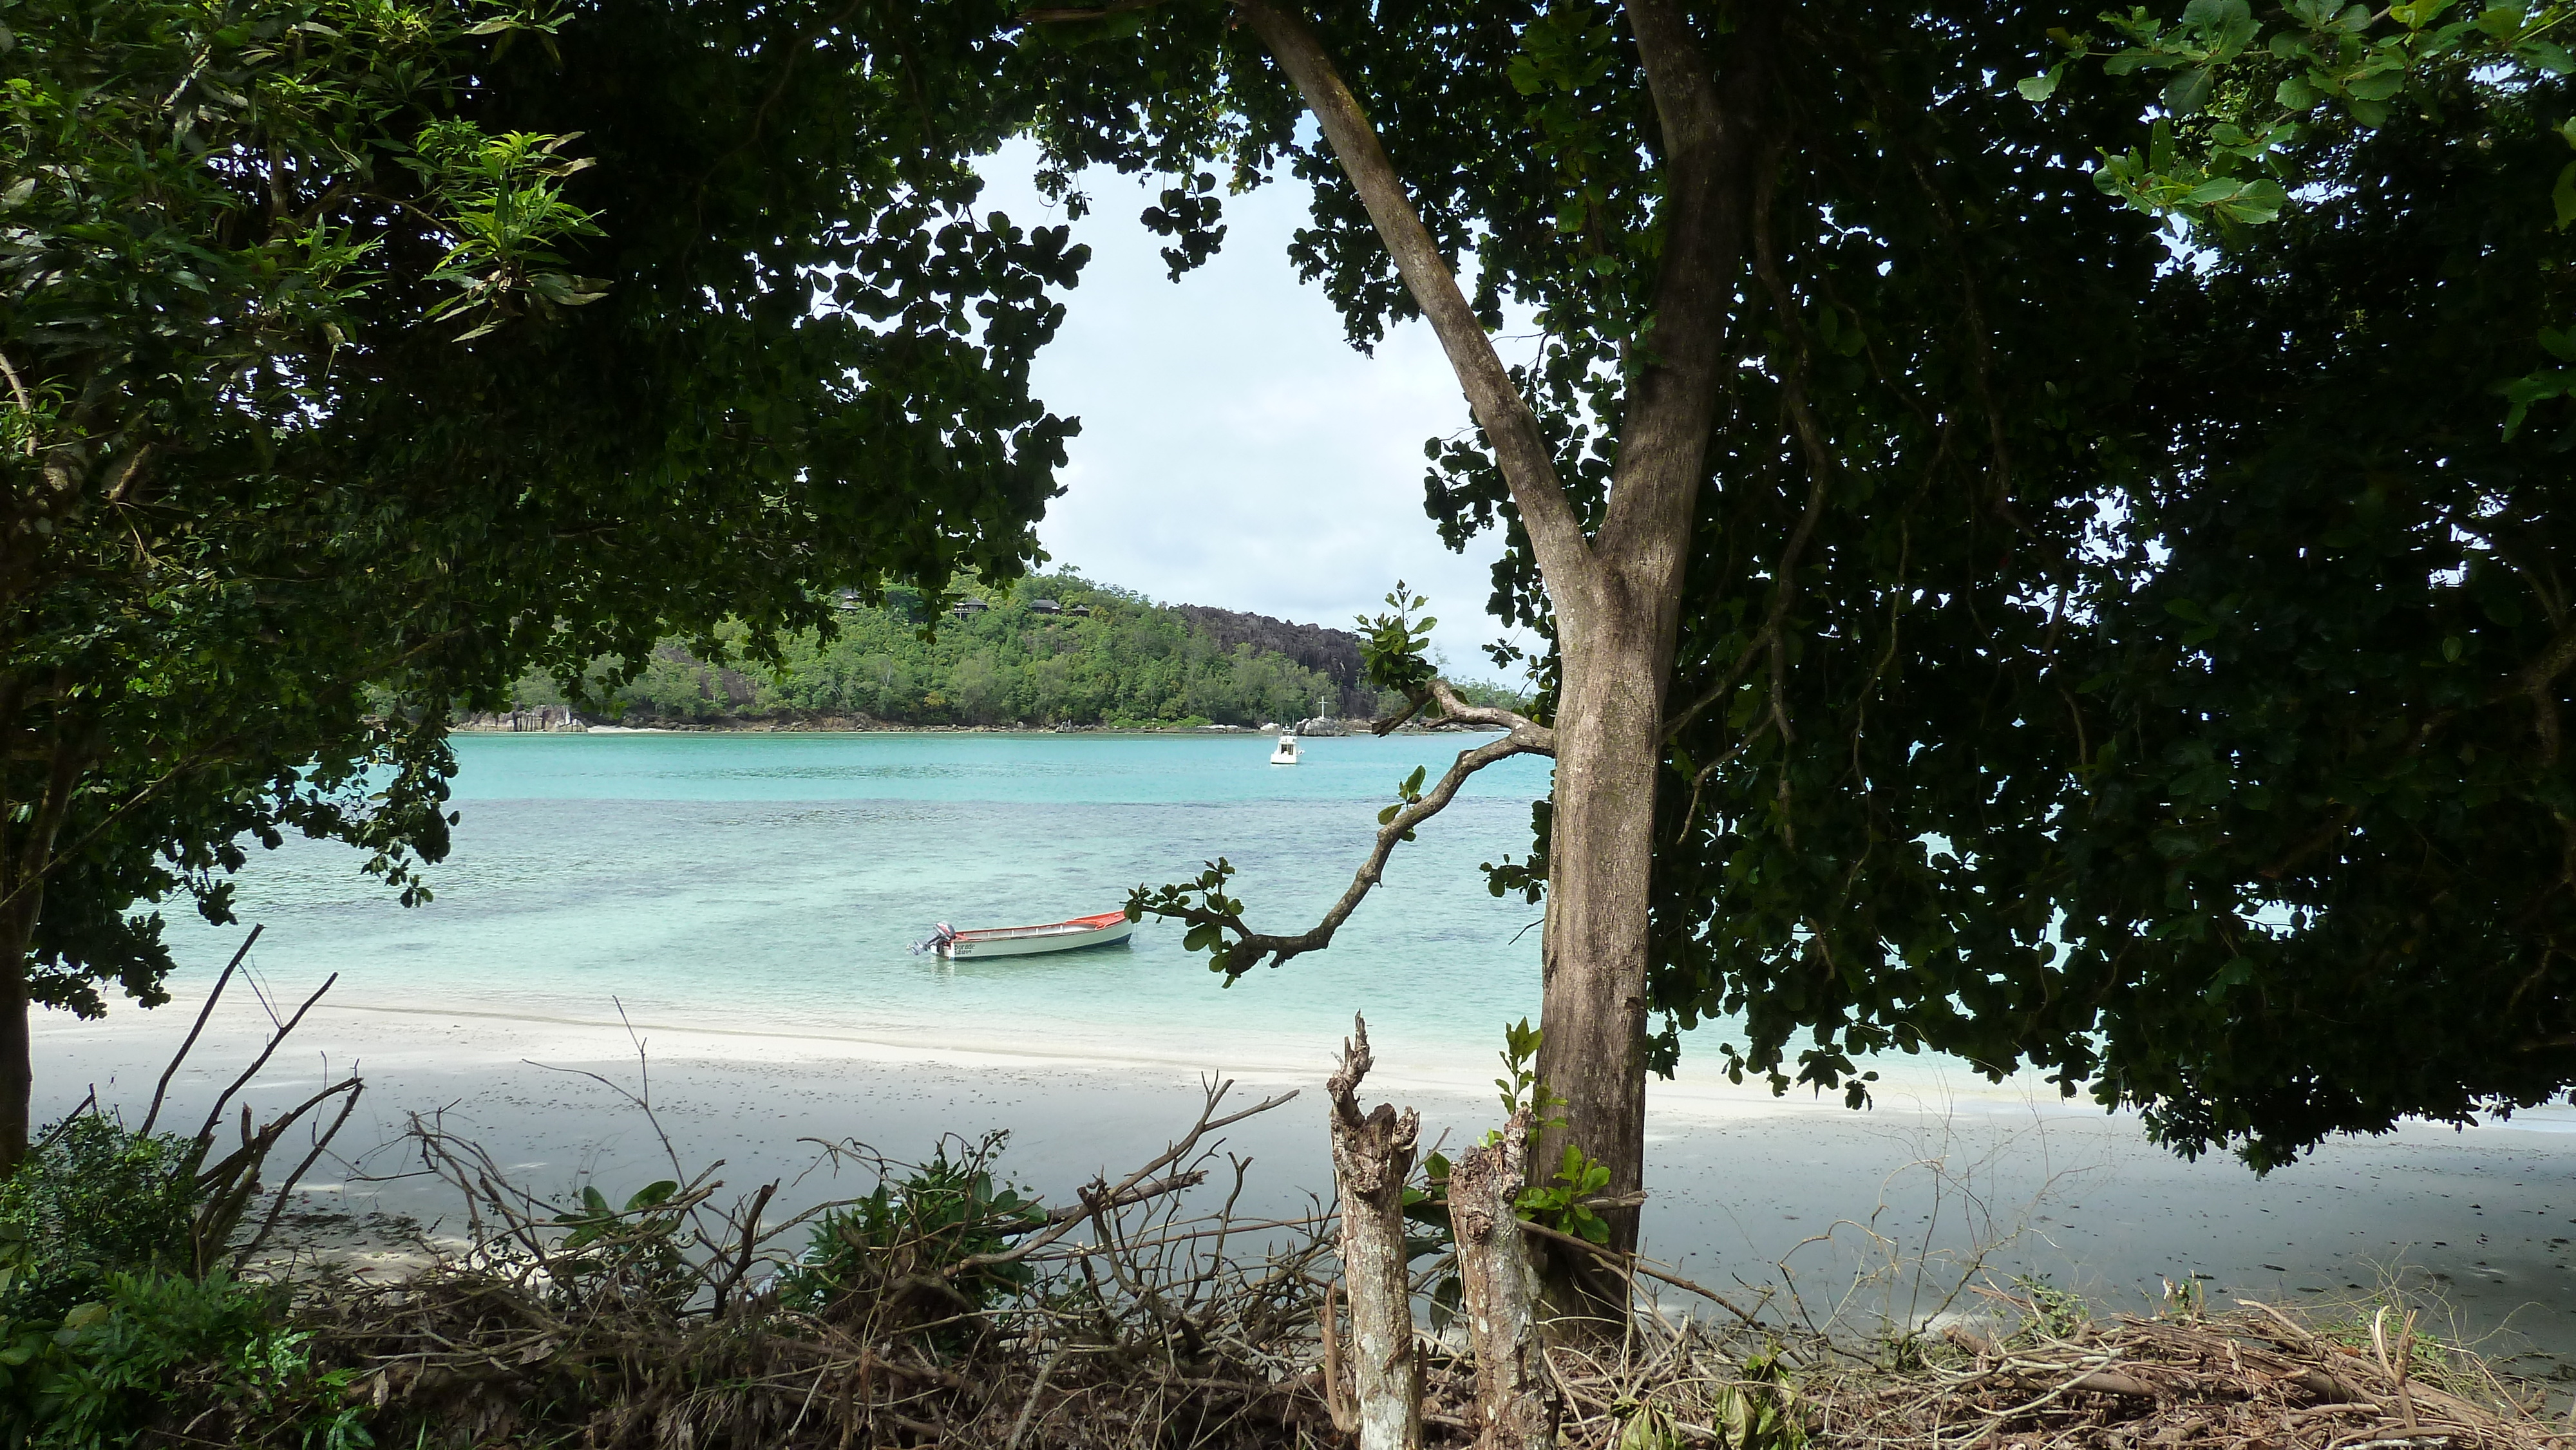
(1053, 650)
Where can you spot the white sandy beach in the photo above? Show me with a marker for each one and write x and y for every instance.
(1741, 1181)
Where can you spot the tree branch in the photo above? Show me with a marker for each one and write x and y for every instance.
(1451, 707)
(2535, 680)
(1520, 449)
(1708, 151)
(1251, 948)
(1134, 1188)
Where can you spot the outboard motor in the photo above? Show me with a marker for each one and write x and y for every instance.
(940, 936)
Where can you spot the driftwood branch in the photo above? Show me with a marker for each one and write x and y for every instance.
(1134, 1188)
(286, 1190)
(1632, 1264)
(215, 1114)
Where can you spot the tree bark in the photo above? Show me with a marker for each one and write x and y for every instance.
(17, 1048)
(1372, 1158)
(1593, 946)
(1500, 1292)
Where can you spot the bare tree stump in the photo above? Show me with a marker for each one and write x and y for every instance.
(1500, 1290)
(1372, 1158)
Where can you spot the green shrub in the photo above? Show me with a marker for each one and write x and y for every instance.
(96, 1198)
(913, 1233)
(628, 1254)
(104, 1334)
(160, 1348)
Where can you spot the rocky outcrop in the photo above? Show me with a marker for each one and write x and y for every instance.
(1334, 653)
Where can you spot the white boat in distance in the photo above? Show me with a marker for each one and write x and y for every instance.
(1286, 752)
(1107, 929)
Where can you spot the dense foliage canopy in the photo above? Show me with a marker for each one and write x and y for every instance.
(2232, 789)
(410, 346)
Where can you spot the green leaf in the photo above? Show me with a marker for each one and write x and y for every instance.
(2563, 196)
(2039, 88)
(2256, 202)
(651, 1194)
(2189, 91)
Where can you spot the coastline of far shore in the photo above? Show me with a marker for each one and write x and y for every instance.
(868, 725)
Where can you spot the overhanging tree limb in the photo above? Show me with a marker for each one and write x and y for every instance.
(1221, 915)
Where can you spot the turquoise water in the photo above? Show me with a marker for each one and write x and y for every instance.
(776, 882)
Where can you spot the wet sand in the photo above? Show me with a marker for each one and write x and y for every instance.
(1881, 1211)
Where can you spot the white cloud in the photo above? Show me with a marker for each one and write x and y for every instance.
(1235, 451)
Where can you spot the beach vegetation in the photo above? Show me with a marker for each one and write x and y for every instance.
(610, 1250)
(95, 1199)
(160, 1350)
(111, 1327)
(943, 1223)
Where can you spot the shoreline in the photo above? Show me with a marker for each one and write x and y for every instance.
(1740, 1182)
(854, 725)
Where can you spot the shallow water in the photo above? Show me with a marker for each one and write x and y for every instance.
(778, 880)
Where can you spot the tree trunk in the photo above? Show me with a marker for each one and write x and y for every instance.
(1616, 594)
(26, 858)
(17, 1056)
(1600, 854)
(1499, 1293)
(1372, 1158)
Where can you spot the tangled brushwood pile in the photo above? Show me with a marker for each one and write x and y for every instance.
(942, 1308)
(2255, 1376)
(1139, 1332)
(945, 1308)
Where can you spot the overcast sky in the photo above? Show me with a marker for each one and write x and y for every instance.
(1234, 450)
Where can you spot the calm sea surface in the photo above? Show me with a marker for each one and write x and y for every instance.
(777, 881)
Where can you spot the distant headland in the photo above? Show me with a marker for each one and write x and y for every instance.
(1053, 652)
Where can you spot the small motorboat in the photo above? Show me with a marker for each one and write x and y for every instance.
(1286, 752)
(1107, 929)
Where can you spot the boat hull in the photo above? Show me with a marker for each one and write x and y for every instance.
(1030, 941)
